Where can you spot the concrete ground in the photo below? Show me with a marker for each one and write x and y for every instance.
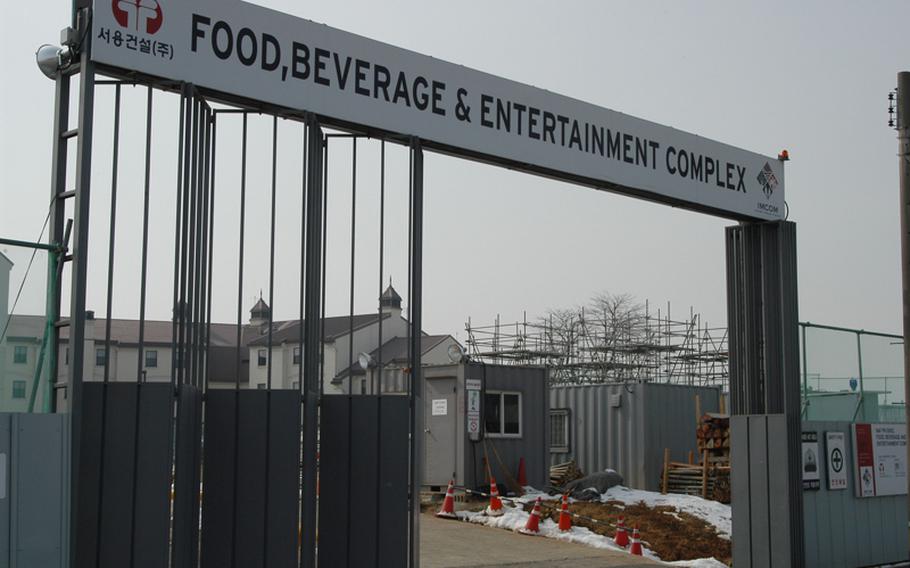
(456, 544)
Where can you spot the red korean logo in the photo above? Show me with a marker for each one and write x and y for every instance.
(140, 15)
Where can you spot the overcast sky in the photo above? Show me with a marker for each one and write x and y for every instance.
(811, 77)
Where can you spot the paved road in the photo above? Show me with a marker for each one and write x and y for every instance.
(455, 544)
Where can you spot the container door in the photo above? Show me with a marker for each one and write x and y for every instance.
(440, 426)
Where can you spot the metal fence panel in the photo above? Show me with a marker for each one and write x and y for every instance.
(252, 439)
(393, 481)
(334, 481)
(843, 530)
(38, 484)
(362, 505)
(117, 475)
(218, 478)
(283, 479)
(5, 456)
(186, 477)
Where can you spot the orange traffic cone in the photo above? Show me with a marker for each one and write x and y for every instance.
(448, 506)
(495, 508)
(565, 521)
(532, 527)
(636, 543)
(622, 537)
(522, 475)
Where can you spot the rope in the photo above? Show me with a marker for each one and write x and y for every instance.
(25, 276)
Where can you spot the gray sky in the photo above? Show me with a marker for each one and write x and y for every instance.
(811, 77)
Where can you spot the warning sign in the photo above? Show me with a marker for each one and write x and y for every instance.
(881, 459)
(811, 477)
(837, 460)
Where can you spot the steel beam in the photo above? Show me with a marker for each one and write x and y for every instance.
(415, 363)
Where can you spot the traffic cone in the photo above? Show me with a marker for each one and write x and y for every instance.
(532, 527)
(522, 475)
(622, 537)
(565, 521)
(448, 505)
(636, 543)
(495, 508)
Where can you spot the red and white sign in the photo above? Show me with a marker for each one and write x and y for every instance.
(881, 459)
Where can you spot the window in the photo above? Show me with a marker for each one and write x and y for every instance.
(67, 361)
(297, 355)
(262, 357)
(20, 354)
(363, 386)
(261, 386)
(295, 385)
(100, 357)
(151, 359)
(502, 412)
(559, 430)
(18, 389)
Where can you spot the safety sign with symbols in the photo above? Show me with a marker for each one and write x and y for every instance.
(837, 460)
(811, 474)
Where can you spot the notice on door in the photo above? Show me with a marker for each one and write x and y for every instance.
(440, 407)
(837, 460)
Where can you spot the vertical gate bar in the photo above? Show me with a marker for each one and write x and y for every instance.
(268, 395)
(145, 239)
(324, 181)
(305, 161)
(211, 243)
(240, 251)
(204, 241)
(374, 380)
(180, 238)
(115, 164)
(353, 263)
(188, 214)
(416, 395)
(381, 258)
(272, 249)
(80, 271)
(313, 340)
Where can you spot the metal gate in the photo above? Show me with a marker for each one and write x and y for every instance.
(181, 473)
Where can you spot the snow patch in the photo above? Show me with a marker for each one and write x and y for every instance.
(712, 512)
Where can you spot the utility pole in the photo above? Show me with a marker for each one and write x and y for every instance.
(903, 153)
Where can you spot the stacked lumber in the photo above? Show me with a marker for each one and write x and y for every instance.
(713, 435)
(563, 473)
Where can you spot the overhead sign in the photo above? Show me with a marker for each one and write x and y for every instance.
(881, 459)
(253, 52)
(837, 460)
(811, 476)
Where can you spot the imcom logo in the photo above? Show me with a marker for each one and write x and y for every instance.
(140, 15)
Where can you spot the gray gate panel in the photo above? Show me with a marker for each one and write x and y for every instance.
(38, 498)
(333, 481)
(118, 475)
(252, 439)
(89, 490)
(218, 479)
(758, 474)
(153, 474)
(186, 479)
(393, 481)
(363, 504)
(739, 491)
(283, 478)
(5, 489)
(778, 491)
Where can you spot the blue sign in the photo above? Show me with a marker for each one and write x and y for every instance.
(853, 384)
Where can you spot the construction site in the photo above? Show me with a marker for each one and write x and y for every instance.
(611, 341)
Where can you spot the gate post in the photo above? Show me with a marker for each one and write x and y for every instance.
(763, 323)
(415, 299)
(312, 378)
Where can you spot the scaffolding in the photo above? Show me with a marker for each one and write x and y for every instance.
(593, 346)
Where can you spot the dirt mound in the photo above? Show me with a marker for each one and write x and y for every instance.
(671, 534)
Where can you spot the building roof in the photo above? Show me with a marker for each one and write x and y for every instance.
(260, 310)
(394, 350)
(6, 259)
(126, 332)
(335, 327)
(390, 298)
